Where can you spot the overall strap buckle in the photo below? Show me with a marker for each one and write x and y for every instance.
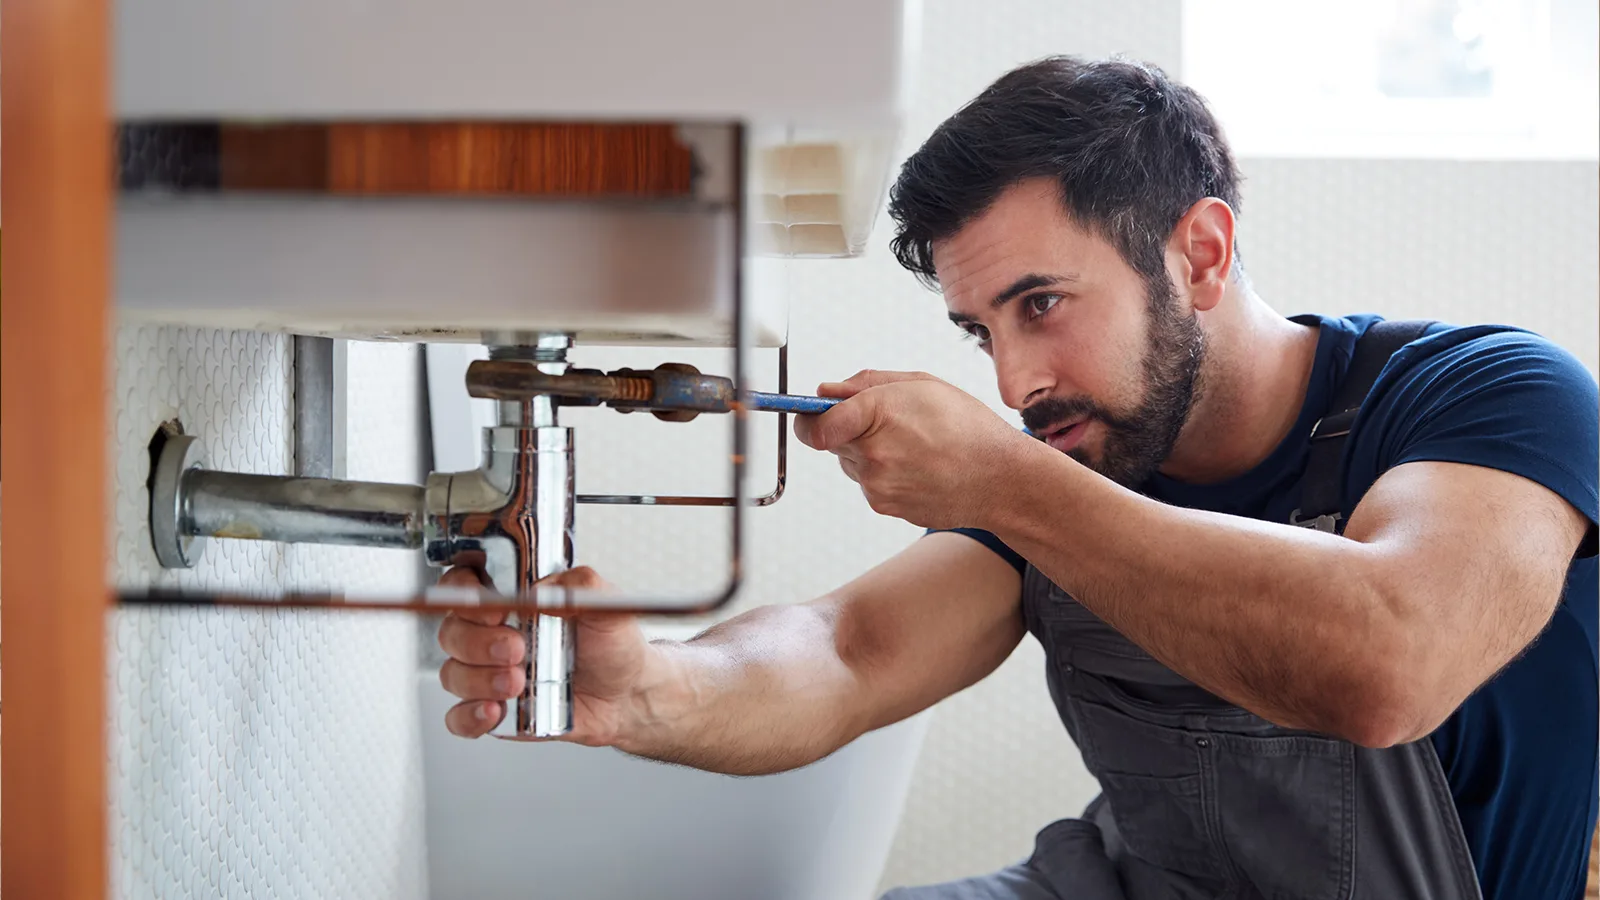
(1319, 499)
(1321, 494)
(1328, 522)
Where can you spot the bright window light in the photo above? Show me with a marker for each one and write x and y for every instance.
(1442, 79)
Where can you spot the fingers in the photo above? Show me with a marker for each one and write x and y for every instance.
(866, 378)
(838, 426)
(473, 718)
(466, 577)
(461, 576)
(841, 389)
(480, 682)
(478, 639)
(483, 688)
(483, 669)
(851, 419)
(805, 429)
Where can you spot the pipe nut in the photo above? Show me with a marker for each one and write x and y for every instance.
(174, 548)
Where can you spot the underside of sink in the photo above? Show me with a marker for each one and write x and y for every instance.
(442, 270)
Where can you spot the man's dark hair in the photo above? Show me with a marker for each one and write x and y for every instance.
(1131, 149)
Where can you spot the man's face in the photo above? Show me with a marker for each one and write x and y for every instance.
(1100, 366)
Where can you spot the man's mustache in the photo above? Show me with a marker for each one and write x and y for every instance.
(1052, 411)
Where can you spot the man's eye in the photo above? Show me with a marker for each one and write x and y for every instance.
(977, 333)
(1039, 304)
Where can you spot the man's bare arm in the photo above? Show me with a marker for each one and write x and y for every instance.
(782, 686)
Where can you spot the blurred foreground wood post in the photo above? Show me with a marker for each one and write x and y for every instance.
(54, 290)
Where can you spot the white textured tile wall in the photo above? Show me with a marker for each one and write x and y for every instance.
(1507, 242)
(267, 753)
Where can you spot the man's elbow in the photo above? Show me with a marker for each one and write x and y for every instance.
(1384, 685)
(1376, 728)
(1384, 708)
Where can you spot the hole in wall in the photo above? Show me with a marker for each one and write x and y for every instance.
(167, 429)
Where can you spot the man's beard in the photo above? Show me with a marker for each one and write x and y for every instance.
(1137, 443)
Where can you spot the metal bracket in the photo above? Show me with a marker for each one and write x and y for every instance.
(169, 513)
(766, 499)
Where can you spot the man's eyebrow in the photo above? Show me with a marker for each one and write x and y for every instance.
(1027, 283)
(1019, 287)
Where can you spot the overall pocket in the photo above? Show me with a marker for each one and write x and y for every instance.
(1286, 805)
(1163, 822)
(1272, 813)
(1155, 783)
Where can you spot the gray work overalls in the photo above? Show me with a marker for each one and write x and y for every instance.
(1202, 799)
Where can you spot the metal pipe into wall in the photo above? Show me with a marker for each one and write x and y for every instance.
(301, 510)
(190, 503)
(319, 396)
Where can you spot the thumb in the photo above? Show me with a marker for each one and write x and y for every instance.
(867, 378)
(576, 577)
(838, 426)
(581, 578)
(608, 623)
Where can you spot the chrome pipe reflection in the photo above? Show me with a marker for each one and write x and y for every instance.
(537, 539)
(551, 646)
(513, 520)
(301, 510)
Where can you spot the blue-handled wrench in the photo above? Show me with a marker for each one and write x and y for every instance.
(670, 390)
(789, 403)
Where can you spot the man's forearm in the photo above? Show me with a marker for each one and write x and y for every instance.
(760, 693)
(1282, 621)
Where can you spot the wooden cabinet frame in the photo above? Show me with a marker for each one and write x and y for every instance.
(54, 318)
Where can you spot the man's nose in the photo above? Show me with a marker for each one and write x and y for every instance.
(1023, 378)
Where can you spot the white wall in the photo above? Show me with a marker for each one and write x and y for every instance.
(1504, 242)
(271, 753)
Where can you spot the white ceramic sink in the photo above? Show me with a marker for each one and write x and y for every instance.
(512, 820)
(819, 91)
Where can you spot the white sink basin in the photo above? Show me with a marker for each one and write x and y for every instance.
(514, 820)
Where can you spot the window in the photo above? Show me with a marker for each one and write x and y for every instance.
(1448, 79)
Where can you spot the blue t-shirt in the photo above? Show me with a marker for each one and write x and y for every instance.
(1520, 754)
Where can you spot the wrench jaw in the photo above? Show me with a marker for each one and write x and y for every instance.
(682, 393)
(673, 392)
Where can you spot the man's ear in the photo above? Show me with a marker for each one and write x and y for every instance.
(1201, 249)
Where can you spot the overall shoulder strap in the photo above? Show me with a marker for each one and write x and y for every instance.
(1321, 492)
